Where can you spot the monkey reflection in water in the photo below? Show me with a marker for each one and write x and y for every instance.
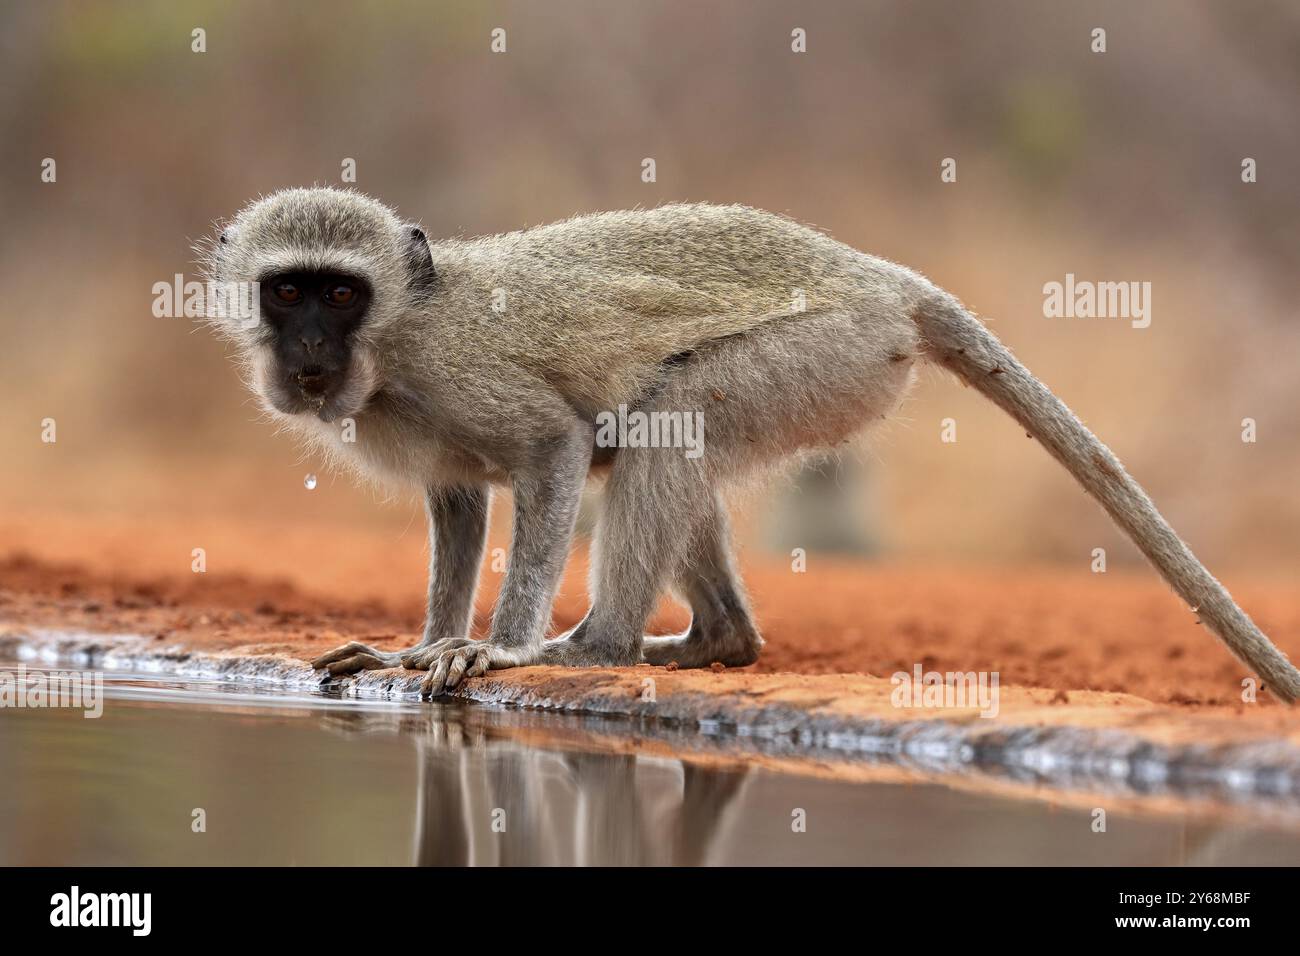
(485, 802)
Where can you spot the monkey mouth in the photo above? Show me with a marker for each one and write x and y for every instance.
(293, 394)
(327, 391)
(314, 400)
(315, 385)
(326, 398)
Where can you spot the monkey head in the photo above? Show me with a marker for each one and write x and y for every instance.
(328, 273)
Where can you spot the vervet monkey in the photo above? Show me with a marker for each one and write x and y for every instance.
(466, 364)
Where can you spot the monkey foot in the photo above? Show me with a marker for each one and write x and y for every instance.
(699, 650)
(569, 650)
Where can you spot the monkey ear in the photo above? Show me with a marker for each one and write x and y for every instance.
(420, 261)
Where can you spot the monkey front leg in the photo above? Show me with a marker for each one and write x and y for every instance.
(546, 507)
(457, 537)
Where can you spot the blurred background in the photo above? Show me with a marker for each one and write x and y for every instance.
(1115, 166)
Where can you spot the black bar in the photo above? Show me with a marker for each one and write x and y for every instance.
(385, 906)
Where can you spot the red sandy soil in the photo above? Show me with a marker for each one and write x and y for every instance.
(1065, 631)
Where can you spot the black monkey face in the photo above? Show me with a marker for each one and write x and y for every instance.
(311, 317)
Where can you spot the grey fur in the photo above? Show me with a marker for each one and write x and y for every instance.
(962, 344)
(683, 308)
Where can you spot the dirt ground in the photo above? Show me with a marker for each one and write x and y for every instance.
(1062, 630)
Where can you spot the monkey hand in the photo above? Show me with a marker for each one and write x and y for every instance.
(355, 656)
(451, 661)
(425, 655)
(459, 658)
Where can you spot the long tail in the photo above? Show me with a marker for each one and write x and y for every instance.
(958, 341)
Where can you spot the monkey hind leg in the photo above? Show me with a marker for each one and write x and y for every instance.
(722, 629)
(655, 500)
(804, 381)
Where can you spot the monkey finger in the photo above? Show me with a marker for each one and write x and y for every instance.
(341, 668)
(422, 658)
(460, 660)
(349, 649)
(433, 684)
(482, 664)
(418, 659)
(358, 662)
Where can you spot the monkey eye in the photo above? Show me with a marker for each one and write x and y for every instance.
(288, 293)
(340, 294)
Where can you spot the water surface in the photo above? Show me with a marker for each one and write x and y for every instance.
(308, 779)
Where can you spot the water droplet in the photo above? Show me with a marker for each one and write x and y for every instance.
(309, 482)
